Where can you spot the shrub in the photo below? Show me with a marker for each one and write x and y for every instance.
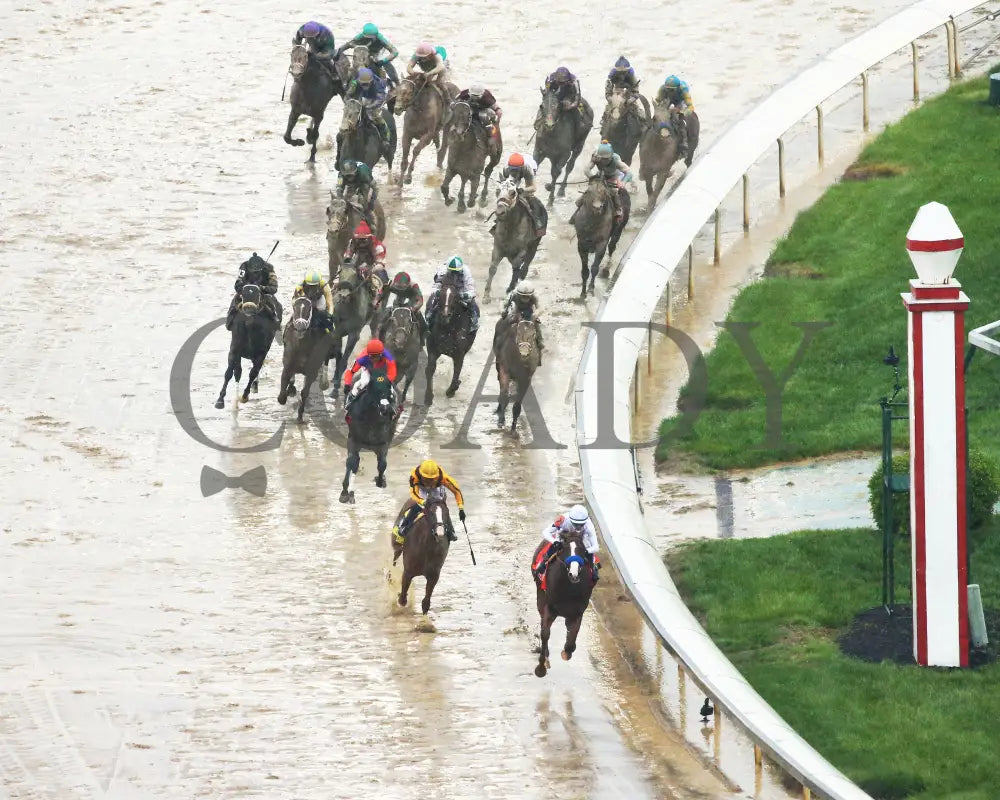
(983, 488)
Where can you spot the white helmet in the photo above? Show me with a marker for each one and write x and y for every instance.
(477, 90)
(525, 289)
(578, 516)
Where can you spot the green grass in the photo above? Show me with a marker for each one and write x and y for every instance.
(776, 607)
(844, 262)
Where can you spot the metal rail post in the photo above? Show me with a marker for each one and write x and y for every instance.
(746, 202)
(948, 28)
(690, 270)
(865, 106)
(781, 167)
(916, 76)
(819, 132)
(717, 255)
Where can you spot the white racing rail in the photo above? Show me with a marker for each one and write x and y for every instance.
(608, 470)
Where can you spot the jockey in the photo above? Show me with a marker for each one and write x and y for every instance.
(522, 168)
(255, 270)
(676, 94)
(455, 266)
(431, 63)
(576, 519)
(607, 163)
(428, 482)
(316, 289)
(357, 175)
(364, 248)
(370, 90)
(408, 295)
(622, 76)
(372, 38)
(483, 105)
(524, 303)
(320, 39)
(374, 356)
(566, 86)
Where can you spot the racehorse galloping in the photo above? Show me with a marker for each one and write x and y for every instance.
(370, 426)
(306, 348)
(658, 149)
(448, 335)
(469, 147)
(359, 139)
(621, 126)
(342, 217)
(402, 337)
(597, 231)
(353, 304)
(313, 89)
(251, 339)
(514, 236)
(569, 582)
(424, 549)
(517, 360)
(560, 139)
(424, 106)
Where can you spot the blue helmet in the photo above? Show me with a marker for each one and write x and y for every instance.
(365, 75)
(622, 65)
(311, 29)
(605, 150)
(672, 82)
(562, 74)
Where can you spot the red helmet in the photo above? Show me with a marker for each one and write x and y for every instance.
(362, 230)
(516, 160)
(375, 347)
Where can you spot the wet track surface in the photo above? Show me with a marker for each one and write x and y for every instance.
(155, 643)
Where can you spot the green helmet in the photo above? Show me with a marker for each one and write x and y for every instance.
(455, 264)
(312, 278)
(349, 167)
(370, 29)
(605, 150)
(401, 280)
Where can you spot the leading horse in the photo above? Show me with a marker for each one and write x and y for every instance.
(424, 549)
(312, 90)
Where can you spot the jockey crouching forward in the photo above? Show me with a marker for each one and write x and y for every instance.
(522, 303)
(374, 356)
(370, 90)
(407, 295)
(316, 289)
(255, 270)
(428, 482)
(608, 164)
(577, 520)
(521, 168)
(466, 287)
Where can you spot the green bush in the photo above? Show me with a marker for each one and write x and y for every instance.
(983, 488)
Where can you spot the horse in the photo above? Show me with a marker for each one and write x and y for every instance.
(560, 139)
(423, 106)
(658, 149)
(448, 335)
(251, 339)
(569, 583)
(313, 88)
(516, 350)
(306, 349)
(359, 139)
(596, 228)
(370, 426)
(424, 549)
(621, 126)
(353, 303)
(401, 333)
(513, 236)
(469, 147)
(342, 217)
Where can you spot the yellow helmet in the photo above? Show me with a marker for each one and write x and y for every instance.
(428, 469)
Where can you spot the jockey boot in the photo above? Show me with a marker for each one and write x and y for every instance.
(538, 341)
(616, 200)
(449, 531)
(682, 131)
(399, 532)
(474, 307)
(383, 132)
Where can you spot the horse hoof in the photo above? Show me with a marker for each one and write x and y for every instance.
(256, 388)
(451, 391)
(562, 191)
(461, 208)
(401, 599)
(482, 202)
(540, 671)
(220, 404)
(297, 142)
(548, 187)
(300, 421)
(380, 481)
(245, 398)
(292, 391)
(408, 178)
(449, 200)
(604, 273)
(425, 605)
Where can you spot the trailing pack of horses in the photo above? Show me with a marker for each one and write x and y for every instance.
(470, 150)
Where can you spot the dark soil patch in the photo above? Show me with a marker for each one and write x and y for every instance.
(867, 172)
(877, 636)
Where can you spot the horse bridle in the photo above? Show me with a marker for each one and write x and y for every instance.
(468, 125)
(573, 558)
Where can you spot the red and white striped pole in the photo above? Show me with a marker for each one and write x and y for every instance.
(936, 306)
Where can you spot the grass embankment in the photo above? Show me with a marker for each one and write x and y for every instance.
(844, 262)
(777, 606)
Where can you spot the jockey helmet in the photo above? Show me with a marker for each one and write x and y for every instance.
(370, 29)
(375, 347)
(429, 470)
(365, 75)
(605, 150)
(442, 52)
(312, 278)
(525, 289)
(349, 167)
(311, 29)
(672, 82)
(362, 231)
(578, 516)
(562, 74)
(401, 280)
(622, 65)
(516, 160)
(425, 49)
(477, 90)
(455, 264)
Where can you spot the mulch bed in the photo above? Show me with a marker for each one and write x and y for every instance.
(876, 636)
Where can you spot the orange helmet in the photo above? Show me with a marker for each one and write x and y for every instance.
(362, 230)
(516, 160)
(375, 347)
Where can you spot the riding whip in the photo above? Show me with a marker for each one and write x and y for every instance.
(470, 543)
(272, 250)
(283, 87)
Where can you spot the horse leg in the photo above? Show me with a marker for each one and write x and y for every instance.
(404, 159)
(461, 195)
(353, 462)
(404, 589)
(521, 392)
(449, 174)
(230, 369)
(283, 388)
(257, 363)
(490, 165)
(504, 380)
(543, 651)
(570, 163)
(456, 372)
(552, 186)
(495, 259)
(293, 117)
(661, 179)
(598, 258)
(312, 136)
(474, 190)
(429, 376)
(584, 266)
(432, 579)
(421, 144)
(381, 456)
(572, 629)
